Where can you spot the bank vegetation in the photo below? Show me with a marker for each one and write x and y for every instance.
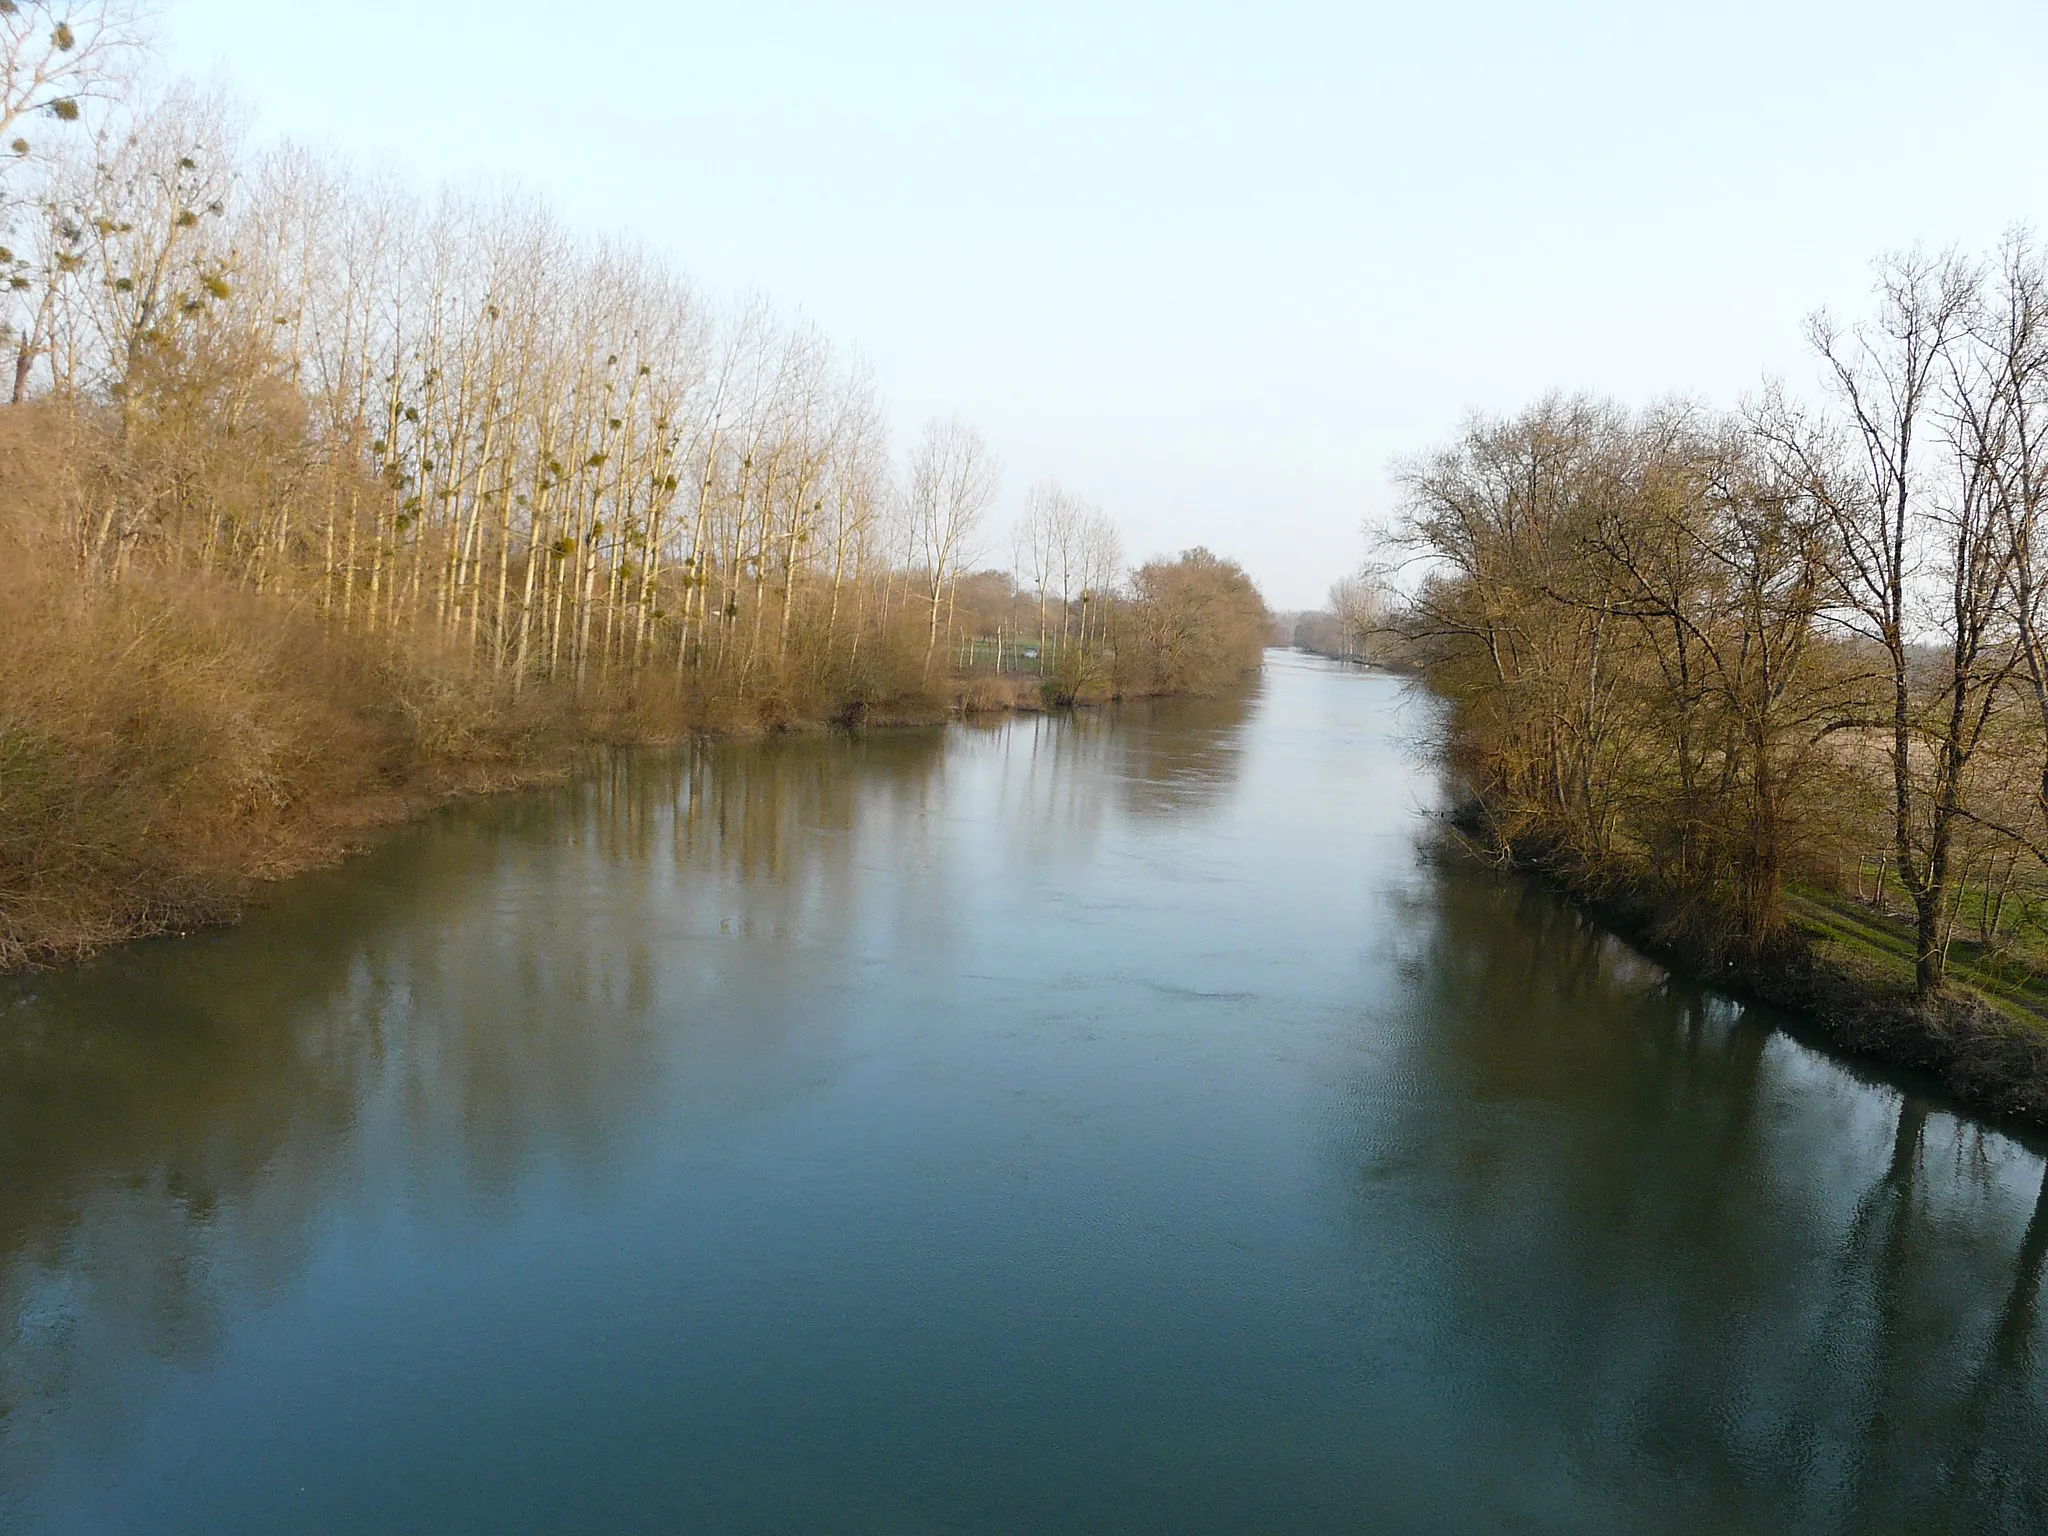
(321, 497)
(1773, 684)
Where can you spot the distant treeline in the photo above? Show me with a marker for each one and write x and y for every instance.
(314, 489)
(1359, 625)
(1782, 659)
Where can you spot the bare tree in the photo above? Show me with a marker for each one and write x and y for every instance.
(1363, 611)
(953, 478)
(2002, 423)
(58, 56)
(1921, 501)
(1036, 543)
(1101, 564)
(55, 60)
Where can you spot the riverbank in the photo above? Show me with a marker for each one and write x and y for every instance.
(187, 712)
(1397, 665)
(220, 761)
(168, 751)
(1843, 972)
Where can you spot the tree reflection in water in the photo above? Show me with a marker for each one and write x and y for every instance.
(1691, 1245)
(473, 1000)
(833, 1067)
(485, 1000)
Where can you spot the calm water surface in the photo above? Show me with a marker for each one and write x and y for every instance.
(1107, 1124)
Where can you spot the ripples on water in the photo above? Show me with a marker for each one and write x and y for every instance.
(1115, 1123)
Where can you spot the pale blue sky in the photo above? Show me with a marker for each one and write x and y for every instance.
(1213, 265)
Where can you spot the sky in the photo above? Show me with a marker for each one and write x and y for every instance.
(1218, 267)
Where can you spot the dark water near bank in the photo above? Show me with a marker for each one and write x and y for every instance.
(1108, 1124)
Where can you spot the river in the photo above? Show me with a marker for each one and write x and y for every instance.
(1123, 1122)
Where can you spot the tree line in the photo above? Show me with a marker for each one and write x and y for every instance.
(315, 489)
(453, 420)
(1728, 655)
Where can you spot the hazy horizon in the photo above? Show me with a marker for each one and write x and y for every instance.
(1212, 268)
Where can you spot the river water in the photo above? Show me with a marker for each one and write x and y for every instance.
(1116, 1123)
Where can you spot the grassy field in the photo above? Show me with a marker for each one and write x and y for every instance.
(2009, 971)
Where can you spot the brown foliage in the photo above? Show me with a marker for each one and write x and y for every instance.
(1194, 625)
(166, 738)
(312, 495)
(1625, 612)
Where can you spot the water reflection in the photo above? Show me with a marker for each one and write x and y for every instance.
(488, 998)
(1083, 1123)
(1177, 758)
(1719, 1264)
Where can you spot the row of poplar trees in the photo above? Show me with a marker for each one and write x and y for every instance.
(1716, 653)
(450, 421)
